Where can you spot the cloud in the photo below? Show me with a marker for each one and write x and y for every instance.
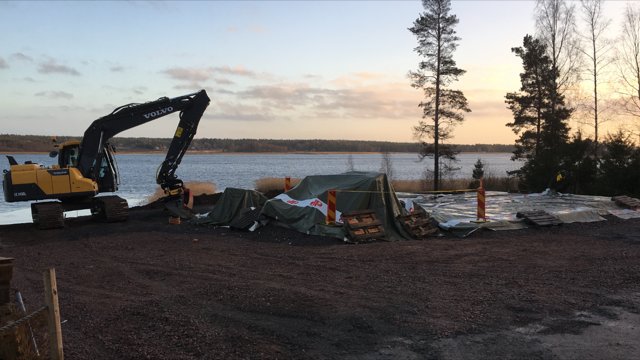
(189, 74)
(238, 116)
(237, 71)
(55, 94)
(21, 57)
(357, 79)
(51, 67)
(28, 79)
(235, 111)
(223, 92)
(117, 68)
(3, 64)
(386, 101)
(257, 29)
(223, 81)
(193, 87)
(232, 29)
(312, 76)
(139, 90)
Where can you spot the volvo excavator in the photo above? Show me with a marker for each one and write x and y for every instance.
(87, 168)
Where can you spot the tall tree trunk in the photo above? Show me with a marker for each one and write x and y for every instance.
(538, 112)
(595, 96)
(436, 117)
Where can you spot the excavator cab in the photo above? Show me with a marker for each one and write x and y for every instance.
(108, 179)
(68, 154)
(107, 175)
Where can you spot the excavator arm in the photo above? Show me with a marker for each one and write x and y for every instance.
(94, 148)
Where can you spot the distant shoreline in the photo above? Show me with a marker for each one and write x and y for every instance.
(212, 152)
(42, 144)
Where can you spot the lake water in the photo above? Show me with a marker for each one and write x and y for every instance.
(242, 170)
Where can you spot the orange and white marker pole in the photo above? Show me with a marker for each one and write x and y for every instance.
(481, 204)
(287, 184)
(331, 207)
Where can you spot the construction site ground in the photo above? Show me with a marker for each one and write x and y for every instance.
(145, 289)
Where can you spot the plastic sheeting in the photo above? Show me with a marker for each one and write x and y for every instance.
(457, 212)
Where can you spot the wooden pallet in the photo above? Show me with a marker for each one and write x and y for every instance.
(363, 226)
(627, 202)
(418, 224)
(539, 218)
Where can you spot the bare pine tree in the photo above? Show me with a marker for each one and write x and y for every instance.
(556, 29)
(628, 61)
(442, 107)
(595, 51)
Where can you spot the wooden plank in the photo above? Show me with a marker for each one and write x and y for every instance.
(539, 218)
(626, 201)
(418, 224)
(365, 224)
(51, 300)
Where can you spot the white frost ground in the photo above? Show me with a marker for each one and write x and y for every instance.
(23, 216)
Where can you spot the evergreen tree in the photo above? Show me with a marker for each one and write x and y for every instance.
(478, 170)
(540, 116)
(442, 107)
(581, 165)
(620, 166)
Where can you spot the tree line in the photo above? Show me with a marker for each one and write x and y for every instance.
(567, 64)
(37, 143)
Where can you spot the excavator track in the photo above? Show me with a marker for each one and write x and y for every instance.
(110, 208)
(47, 215)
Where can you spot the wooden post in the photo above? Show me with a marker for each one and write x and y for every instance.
(331, 207)
(6, 273)
(481, 214)
(287, 184)
(51, 300)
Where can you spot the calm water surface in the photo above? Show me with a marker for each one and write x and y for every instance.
(242, 170)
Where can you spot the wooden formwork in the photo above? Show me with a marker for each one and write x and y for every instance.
(418, 224)
(363, 226)
(627, 202)
(539, 218)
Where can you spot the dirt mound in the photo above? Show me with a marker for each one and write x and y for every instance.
(199, 201)
(145, 289)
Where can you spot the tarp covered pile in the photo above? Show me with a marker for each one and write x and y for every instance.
(234, 206)
(304, 208)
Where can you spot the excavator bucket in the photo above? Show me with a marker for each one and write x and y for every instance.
(176, 207)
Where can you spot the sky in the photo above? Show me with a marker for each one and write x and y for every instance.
(276, 70)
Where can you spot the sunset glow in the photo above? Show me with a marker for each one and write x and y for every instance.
(285, 70)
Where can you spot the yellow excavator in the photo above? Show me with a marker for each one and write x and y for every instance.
(87, 168)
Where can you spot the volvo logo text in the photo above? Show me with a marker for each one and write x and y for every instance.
(158, 112)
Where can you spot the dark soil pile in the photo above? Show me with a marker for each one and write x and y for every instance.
(145, 289)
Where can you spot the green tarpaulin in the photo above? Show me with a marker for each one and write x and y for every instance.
(304, 207)
(232, 205)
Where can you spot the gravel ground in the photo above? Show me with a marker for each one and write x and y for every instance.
(145, 289)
